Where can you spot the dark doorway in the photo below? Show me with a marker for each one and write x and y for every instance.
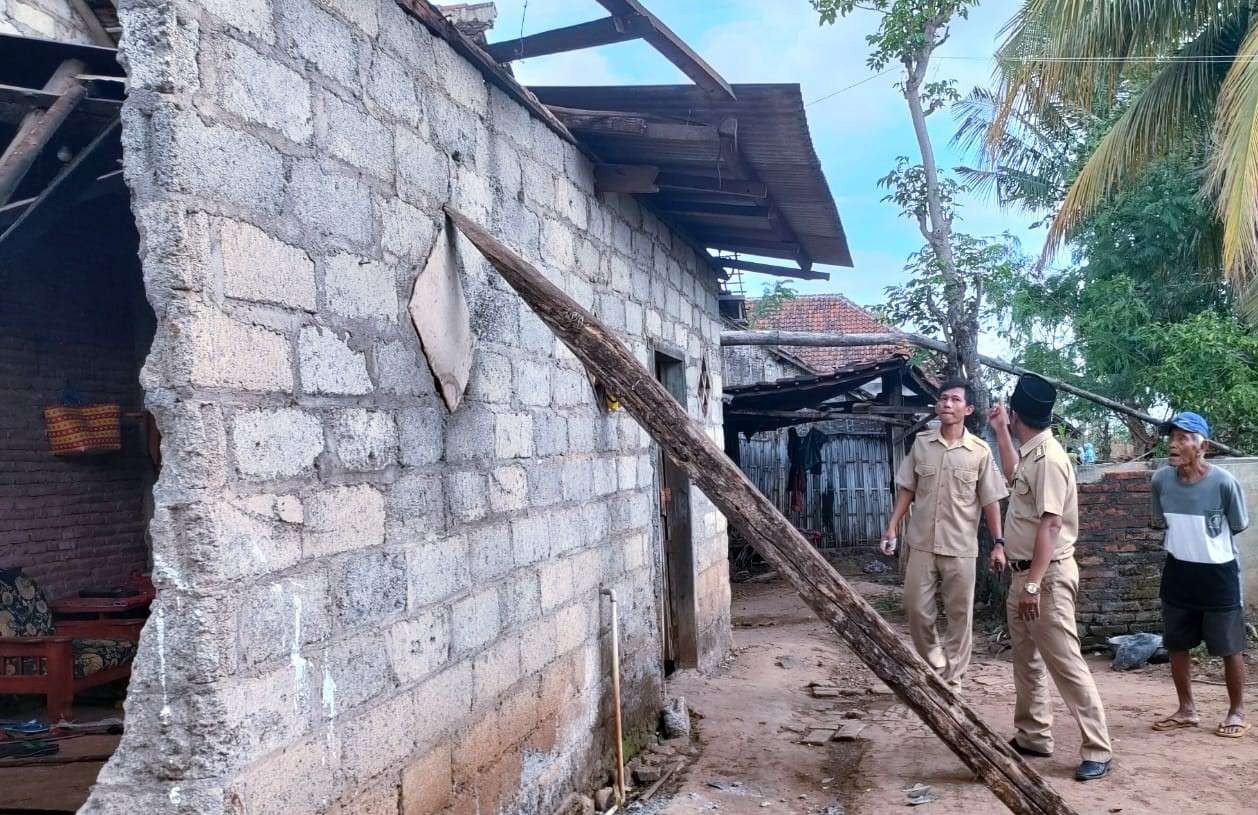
(680, 635)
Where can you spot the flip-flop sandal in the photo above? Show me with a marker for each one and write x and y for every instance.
(1231, 731)
(1173, 723)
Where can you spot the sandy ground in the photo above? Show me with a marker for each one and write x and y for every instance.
(753, 712)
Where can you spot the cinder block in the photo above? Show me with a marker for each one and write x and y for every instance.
(359, 287)
(302, 777)
(550, 433)
(340, 519)
(421, 435)
(490, 378)
(578, 479)
(349, 133)
(333, 206)
(251, 16)
(569, 388)
(323, 40)
(378, 739)
(263, 269)
(530, 539)
(508, 489)
(556, 583)
(329, 366)
(365, 439)
(415, 507)
(470, 434)
(419, 647)
(276, 443)
(263, 90)
(514, 435)
(490, 552)
(423, 171)
(369, 587)
(226, 353)
(467, 495)
(405, 231)
(360, 668)
(496, 669)
(391, 86)
(427, 783)
(437, 570)
(401, 370)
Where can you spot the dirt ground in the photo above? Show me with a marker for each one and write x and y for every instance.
(753, 713)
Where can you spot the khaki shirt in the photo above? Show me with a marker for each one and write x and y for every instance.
(1044, 482)
(951, 485)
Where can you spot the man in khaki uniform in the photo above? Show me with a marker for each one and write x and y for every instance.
(1041, 527)
(946, 478)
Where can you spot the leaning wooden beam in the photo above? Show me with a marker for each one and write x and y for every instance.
(818, 339)
(754, 517)
(39, 126)
(95, 29)
(673, 48)
(571, 38)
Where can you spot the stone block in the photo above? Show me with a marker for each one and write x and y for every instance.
(360, 668)
(472, 194)
(521, 598)
(405, 231)
(423, 171)
(467, 495)
(216, 162)
(556, 583)
(401, 370)
(437, 570)
(415, 507)
(504, 164)
(365, 439)
(569, 388)
(537, 647)
(368, 587)
(263, 90)
(300, 778)
(362, 13)
(474, 621)
(550, 433)
(508, 489)
(419, 647)
(359, 287)
(532, 382)
(262, 269)
(489, 549)
(251, 16)
(513, 433)
(227, 353)
(421, 436)
(329, 366)
(278, 619)
(321, 39)
(578, 479)
(332, 205)
(495, 669)
(340, 519)
(276, 443)
(530, 539)
(461, 79)
(352, 135)
(391, 87)
(490, 378)
(378, 739)
(427, 783)
(470, 434)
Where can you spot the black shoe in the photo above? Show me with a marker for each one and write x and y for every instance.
(1027, 751)
(1092, 770)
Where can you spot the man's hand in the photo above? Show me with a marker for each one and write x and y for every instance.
(999, 416)
(1028, 606)
(889, 544)
(999, 561)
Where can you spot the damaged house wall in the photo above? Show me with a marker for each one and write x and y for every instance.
(365, 604)
(48, 19)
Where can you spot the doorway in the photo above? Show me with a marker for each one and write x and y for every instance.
(679, 630)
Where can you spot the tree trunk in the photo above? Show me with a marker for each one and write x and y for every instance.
(755, 517)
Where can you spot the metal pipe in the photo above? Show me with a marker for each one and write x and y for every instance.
(620, 740)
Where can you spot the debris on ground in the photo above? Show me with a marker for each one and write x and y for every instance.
(824, 691)
(604, 798)
(818, 735)
(1134, 650)
(675, 719)
(790, 663)
(875, 567)
(918, 794)
(849, 732)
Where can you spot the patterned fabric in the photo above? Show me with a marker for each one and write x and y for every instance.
(24, 610)
(93, 656)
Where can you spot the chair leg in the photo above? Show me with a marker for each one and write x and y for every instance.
(61, 688)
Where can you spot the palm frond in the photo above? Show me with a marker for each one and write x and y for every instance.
(1233, 170)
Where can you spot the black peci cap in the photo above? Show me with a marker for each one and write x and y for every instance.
(1033, 399)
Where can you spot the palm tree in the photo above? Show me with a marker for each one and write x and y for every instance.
(1194, 67)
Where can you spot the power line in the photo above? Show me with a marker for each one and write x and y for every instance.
(849, 87)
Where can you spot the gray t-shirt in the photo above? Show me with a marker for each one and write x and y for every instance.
(1202, 570)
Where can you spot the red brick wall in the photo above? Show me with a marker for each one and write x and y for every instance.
(73, 316)
(1120, 557)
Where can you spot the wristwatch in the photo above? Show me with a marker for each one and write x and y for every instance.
(1032, 588)
(998, 542)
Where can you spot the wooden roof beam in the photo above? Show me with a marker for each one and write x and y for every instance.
(769, 268)
(673, 48)
(39, 126)
(606, 31)
(639, 125)
(704, 183)
(632, 179)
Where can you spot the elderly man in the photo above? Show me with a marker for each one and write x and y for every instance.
(1202, 508)
(947, 478)
(1041, 527)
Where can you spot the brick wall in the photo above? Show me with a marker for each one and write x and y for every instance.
(368, 604)
(72, 317)
(1119, 553)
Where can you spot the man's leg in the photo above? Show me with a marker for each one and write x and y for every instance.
(957, 579)
(1225, 636)
(1057, 636)
(1181, 674)
(1033, 709)
(1234, 673)
(919, 605)
(1181, 632)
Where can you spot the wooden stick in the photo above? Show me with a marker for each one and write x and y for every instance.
(819, 339)
(53, 760)
(94, 27)
(755, 518)
(39, 126)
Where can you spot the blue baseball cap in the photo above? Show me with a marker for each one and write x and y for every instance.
(1189, 422)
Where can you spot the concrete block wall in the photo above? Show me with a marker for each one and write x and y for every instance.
(366, 604)
(73, 325)
(749, 364)
(47, 19)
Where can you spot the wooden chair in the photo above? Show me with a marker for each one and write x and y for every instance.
(57, 660)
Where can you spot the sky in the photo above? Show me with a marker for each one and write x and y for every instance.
(857, 133)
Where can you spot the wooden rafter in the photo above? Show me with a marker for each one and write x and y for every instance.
(769, 268)
(673, 48)
(605, 31)
(39, 126)
(641, 125)
(95, 28)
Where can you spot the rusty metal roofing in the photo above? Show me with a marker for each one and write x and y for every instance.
(773, 142)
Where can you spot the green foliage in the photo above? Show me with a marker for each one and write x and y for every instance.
(906, 27)
(772, 298)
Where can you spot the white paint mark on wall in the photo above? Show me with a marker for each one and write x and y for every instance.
(175, 795)
(329, 695)
(294, 654)
(164, 713)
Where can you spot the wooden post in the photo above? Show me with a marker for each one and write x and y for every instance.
(38, 126)
(755, 518)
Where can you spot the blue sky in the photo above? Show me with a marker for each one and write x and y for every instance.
(857, 133)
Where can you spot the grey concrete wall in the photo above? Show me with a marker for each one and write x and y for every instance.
(48, 19)
(748, 364)
(1245, 470)
(367, 605)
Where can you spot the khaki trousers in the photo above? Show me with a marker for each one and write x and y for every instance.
(1049, 646)
(955, 576)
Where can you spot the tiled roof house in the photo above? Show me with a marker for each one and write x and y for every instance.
(828, 313)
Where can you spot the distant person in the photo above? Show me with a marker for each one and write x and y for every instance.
(1202, 508)
(1042, 524)
(1089, 453)
(947, 477)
